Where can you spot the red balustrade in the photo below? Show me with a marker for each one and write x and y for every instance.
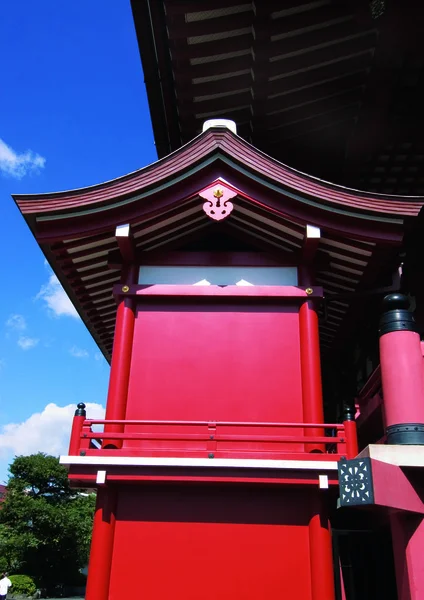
(214, 439)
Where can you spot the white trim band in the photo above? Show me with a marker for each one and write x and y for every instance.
(250, 463)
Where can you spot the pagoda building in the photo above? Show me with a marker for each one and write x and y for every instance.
(264, 424)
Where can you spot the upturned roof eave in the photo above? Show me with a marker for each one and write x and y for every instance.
(305, 192)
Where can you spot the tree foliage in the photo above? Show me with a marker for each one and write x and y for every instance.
(23, 585)
(45, 526)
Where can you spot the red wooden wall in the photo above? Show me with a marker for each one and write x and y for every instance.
(211, 542)
(229, 362)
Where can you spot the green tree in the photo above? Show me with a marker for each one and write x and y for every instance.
(45, 526)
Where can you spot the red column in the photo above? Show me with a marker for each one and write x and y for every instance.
(99, 567)
(401, 372)
(310, 362)
(408, 548)
(121, 364)
(321, 553)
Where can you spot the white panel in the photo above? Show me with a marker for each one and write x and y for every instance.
(101, 477)
(323, 482)
(150, 275)
(313, 232)
(122, 231)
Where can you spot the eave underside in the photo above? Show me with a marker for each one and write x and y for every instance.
(334, 89)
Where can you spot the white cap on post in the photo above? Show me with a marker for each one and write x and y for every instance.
(220, 123)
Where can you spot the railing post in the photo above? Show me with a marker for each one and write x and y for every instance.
(351, 435)
(211, 443)
(77, 425)
(85, 442)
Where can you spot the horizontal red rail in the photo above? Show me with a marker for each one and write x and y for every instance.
(217, 437)
(338, 426)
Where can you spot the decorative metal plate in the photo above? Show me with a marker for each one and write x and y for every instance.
(217, 196)
(355, 482)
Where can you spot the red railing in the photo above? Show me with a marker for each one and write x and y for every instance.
(211, 439)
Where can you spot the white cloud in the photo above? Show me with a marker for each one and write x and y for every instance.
(56, 299)
(16, 322)
(78, 352)
(26, 343)
(47, 431)
(18, 165)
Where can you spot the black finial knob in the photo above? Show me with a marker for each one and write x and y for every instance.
(80, 412)
(395, 302)
(349, 413)
(396, 316)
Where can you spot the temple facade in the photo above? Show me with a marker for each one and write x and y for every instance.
(264, 427)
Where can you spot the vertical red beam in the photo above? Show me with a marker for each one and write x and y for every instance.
(121, 362)
(310, 363)
(321, 553)
(408, 549)
(101, 551)
(401, 372)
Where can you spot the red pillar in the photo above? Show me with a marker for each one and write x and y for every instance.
(310, 362)
(408, 548)
(99, 567)
(321, 553)
(121, 363)
(401, 372)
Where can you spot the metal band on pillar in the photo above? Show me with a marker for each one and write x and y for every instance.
(402, 372)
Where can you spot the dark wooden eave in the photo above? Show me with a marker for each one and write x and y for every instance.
(334, 88)
(360, 233)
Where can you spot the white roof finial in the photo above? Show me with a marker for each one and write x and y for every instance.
(220, 123)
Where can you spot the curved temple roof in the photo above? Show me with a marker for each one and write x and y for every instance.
(272, 206)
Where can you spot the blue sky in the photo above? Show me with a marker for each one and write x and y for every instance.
(73, 112)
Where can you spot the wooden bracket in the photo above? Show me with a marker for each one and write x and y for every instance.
(126, 244)
(310, 245)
